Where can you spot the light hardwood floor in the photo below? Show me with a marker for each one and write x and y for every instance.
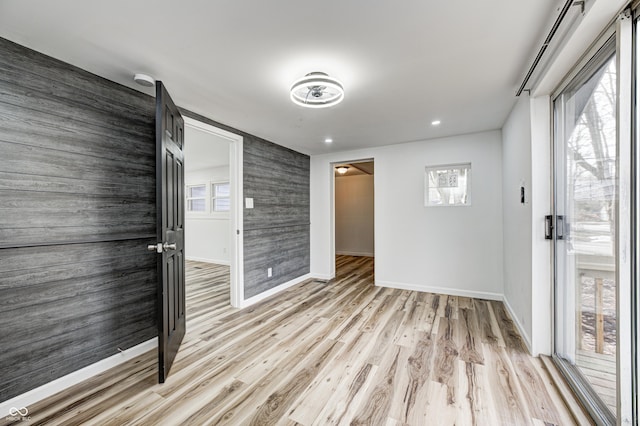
(343, 352)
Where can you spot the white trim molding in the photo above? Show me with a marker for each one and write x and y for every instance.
(440, 290)
(236, 249)
(275, 290)
(525, 337)
(71, 379)
(323, 277)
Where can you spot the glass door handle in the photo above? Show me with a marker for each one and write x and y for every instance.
(549, 227)
(560, 227)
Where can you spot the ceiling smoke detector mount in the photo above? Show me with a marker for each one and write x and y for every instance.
(317, 90)
(144, 80)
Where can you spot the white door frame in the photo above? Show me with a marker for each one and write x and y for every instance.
(332, 198)
(236, 213)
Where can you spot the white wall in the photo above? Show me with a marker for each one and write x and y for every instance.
(516, 170)
(528, 282)
(452, 250)
(541, 272)
(354, 215)
(207, 235)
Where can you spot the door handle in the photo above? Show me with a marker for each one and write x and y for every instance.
(548, 227)
(160, 247)
(167, 246)
(560, 227)
(155, 247)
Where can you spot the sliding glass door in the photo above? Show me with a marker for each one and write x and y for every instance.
(586, 195)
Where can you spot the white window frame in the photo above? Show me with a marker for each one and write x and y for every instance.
(449, 181)
(213, 196)
(188, 198)
(209, 197)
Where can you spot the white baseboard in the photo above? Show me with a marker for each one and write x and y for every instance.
(206, 260)
(355, 253)
(258, 297)
(322, 277)
(58, 385)
(516, 321)
(441, 290)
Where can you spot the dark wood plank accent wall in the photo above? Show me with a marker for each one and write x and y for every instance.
(276, 230)
(77, 208)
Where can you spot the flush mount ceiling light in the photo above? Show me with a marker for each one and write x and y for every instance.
(144, 80)
(317, 90)
(342, 169)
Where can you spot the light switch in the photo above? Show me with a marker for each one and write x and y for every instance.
(248, 203)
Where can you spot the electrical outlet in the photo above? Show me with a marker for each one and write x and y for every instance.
(224, 250)
(269, 272)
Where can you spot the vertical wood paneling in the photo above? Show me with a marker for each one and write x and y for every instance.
(77, 208)
(276, 230)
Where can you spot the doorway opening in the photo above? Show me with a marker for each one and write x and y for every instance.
(213, 210)
(354, 211)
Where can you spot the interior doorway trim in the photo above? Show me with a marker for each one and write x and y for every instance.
(236, 213)
(332, 200)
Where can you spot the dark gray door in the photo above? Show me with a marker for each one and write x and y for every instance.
(170, 196)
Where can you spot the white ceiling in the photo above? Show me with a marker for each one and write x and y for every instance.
(204, 150)
(403, 64)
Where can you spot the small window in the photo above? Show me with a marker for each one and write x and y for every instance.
(196, 198)
(220, 199)
(447, 185)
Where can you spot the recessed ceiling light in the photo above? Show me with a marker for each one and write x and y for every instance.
(435, 123)
(328, 140)
(317, 90)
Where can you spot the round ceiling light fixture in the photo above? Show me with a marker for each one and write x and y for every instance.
(317, 90)
(144, 80)
(342, 169)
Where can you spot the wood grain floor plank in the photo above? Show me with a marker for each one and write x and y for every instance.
(311, 402)
(475, 395)
(418, 370)
(508, 401)
(343, 352)
(490, 333)
(374, 410)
